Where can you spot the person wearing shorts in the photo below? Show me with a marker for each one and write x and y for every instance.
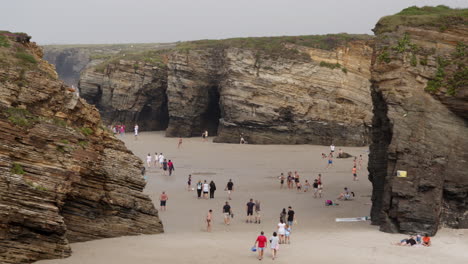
(315, 186)
(281, 180)
(257, 211)
(163, 199)
(229, 188)
(206, 189)
(209, 219)
(355, 173)
(261, 244)
(227, 211)
(290, 216)
(250, 206)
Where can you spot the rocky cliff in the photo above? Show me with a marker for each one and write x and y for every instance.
(128, 92)
(319, 97)
(310, 89)
(64, 178)
(420, 97)
(68, 63)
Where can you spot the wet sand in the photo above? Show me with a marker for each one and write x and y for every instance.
(254, 170)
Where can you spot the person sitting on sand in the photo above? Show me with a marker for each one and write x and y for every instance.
(346, 195)
(426, 240)
(407, 242)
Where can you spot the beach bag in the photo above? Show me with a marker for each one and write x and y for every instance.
(328, 202)
(253, 249)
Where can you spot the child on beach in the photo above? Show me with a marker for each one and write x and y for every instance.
(306, 186)
(189, 183)
(274, 245)
(287, 235)
(281, 180)
(354, 173)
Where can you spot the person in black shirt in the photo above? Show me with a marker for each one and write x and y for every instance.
(250, 207)
(212, 189)
(227, 211)
(230, 188)
(290, 216)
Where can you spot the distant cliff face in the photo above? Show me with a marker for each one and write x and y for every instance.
(294, 94)
(128, 93)
(64, 178)
(269, 100)
(420, 99)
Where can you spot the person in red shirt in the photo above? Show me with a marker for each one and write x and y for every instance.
(261, 243)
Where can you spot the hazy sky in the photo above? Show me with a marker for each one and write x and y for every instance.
(135, 21)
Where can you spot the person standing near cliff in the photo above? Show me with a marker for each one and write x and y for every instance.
(332, 148)
(180, 143)
(136, 131)
(360, 162)
(161, 160)
(163, 199)
(205, 135)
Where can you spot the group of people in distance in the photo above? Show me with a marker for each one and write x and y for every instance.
(293, 181)
(120, 129)
(161, 162)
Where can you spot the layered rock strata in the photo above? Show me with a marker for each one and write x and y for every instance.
(272, 100)
(420, 97)
(64, 178)
(128, 93)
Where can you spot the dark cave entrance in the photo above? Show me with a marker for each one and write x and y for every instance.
(154, 117)
(209, 120)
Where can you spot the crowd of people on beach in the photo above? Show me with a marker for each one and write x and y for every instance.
(292, 181)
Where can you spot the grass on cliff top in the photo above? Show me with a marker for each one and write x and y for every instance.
(276, 45)
(441, 17)
(153, 57)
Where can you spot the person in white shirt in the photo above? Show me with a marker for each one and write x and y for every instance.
(161, 160)
(148, 160)
(332, 148)
(156, 160)
(206, 189)
(136, 132)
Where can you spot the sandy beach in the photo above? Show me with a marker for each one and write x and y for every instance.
(254, 170)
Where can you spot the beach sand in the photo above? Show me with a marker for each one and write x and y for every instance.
(254, 170)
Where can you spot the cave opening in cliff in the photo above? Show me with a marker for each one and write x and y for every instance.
(154, 116)
(209, 120)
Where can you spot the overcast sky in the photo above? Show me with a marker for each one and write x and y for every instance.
(137, 21)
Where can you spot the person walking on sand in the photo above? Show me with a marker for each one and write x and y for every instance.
(315, 186)
(206, 189)
(227, 211)
(205, 135)
(189, 182)
(199, 189)
(161, 160)
(306, 186)
(332, 148)
(281, 177)
(288, 235)
(156, 160)
(250, 206)
(281, 231)
(291, 216)
(163, 199)
(164, 165)
(171, 167)
(148, 160)
(212, 189)
(257, 211)
(274, 245)
(290, 180)
(209, 218)
(355, 178)
(283, 215)
(230, 188)
(136, 131)
(330, 161)
(261, 244)
(180, 143)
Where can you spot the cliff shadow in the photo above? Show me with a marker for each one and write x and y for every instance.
(209, 120)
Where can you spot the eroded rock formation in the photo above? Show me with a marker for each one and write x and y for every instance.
(68, 63)
(272, 100)
(128, 93)
(63, 177)
(420, 100)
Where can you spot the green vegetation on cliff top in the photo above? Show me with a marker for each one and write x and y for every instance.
(441, 17)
